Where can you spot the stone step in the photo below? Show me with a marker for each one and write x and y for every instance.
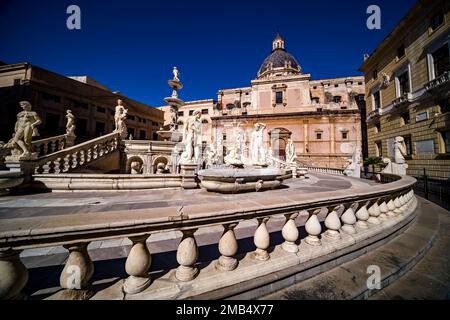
(394, 259)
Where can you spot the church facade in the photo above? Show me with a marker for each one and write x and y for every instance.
(322, 117)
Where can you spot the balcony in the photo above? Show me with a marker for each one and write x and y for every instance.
(401, 101)
(438, 83)
(373, 115)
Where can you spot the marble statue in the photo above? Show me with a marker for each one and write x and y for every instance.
(192, 139)
(291, 154)
(24, 130)
(136, 167)
(258, 152)
(173, 118)
(233, 158)
(399, 165)
(386, 80)
(70, 126)
(353, 168)
(212, 156)
(399, 150)
(161, 168)
(119, 117)
(176, 74)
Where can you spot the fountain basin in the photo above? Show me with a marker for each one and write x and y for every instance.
(9, 180)
(232, 180)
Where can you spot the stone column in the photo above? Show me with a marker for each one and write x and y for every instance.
(13, 274)
(332, 142)
(228, 248)
(77, 273)
(290, 233)
(333, 224)
(187, 255)
(349, 220)
(137, 265)
(262, 240)
(313, 228)
(189, 179)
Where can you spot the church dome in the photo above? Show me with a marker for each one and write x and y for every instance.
(279, 61)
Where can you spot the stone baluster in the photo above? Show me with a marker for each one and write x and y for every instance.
(349, 220)
(51, 166)
(391, 208)
(137, 265)
(374, 212)
(75, 278)
(45, 149)
(62, 164)
(78, 157)
(384, 210)
(52, 146)
(333, 225)
(228, 248)
(313, 228)
(290, 233)
(69, 161)
(362, 215)
(13, 275)
(187, 255)
(397, 205)
(261, 240)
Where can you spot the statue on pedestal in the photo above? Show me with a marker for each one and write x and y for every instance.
(119, 117)
(399, 165)
(258, 151)
(24, 130)
(70, 126)
(176, 74)
(192, 139)
(353, 168)
(291, 154)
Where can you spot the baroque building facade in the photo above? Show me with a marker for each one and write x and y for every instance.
(51, 94)
(408, 90)
(322, 117)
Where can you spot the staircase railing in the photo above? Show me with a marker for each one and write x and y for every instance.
(49, 145)
(66, 160)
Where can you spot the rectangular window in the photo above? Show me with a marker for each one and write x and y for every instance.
(205, 111)
(403, 83)
(405, 118)
(378, 127)
(79, 104)
(180, 113)
(445, 141)
(337, 99)
(132, 118)
(144, 120)
(344, 135)
(375, 74)
(224, 137)
(344, 108)
(17, 82)
(408, 145)
(51, 97)
(131, 132)
(400, 51)
(441, 61)
(360, 83)
(191, 112)
(436, 21)
(378, 149)
(101, 109)
(315, 100)
(319, 135)
(376, 100)
(279, 97)
(314, 87)
(319, 109)
(155, 136)
(99, 128)
(142, 135)
(444, 105)
(336, 85)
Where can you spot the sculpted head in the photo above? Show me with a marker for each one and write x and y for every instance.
(25, 105)
(197, 113)
(399, 139)
(119, 102)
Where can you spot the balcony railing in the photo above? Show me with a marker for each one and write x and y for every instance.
(438, 82)
(349, 220)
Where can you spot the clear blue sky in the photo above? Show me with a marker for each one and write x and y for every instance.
(131, 46)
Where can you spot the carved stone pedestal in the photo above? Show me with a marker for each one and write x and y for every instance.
(189, 179)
